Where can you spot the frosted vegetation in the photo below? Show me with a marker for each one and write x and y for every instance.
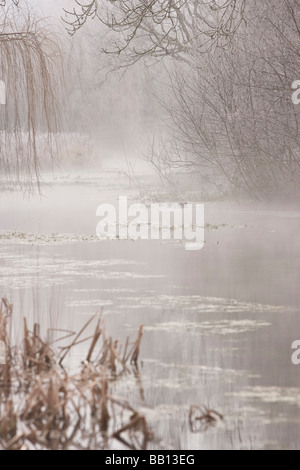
(204, 87)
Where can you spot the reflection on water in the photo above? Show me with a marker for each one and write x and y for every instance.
(219, 323)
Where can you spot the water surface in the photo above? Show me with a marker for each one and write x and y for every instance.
(218, 323)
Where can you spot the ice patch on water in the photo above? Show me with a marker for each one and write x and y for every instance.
(222, 327)
(24, 271)
(287, 395)
(199, 304)
(127, 276)
(192, 368)
(21, 238)
(88, 303)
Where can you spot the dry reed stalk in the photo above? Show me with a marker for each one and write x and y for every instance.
(105, 417)
(134, 355)
(6, 311)
(58, 411)
(97, 335)
(54, 406)
(37, 354)
(74, 343)
(137, 424)
(201, 418)
(8, 422)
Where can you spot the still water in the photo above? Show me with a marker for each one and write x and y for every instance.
(218, 323)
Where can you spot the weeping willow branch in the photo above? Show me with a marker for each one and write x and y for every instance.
(32, 73)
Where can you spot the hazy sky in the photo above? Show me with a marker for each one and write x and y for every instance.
(51, 7)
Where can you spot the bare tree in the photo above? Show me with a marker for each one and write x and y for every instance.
(230, 88)
(31, 70)
(3, 3)
(158, 28)
(232, 117)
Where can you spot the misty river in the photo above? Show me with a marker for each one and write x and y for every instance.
(218, 323)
